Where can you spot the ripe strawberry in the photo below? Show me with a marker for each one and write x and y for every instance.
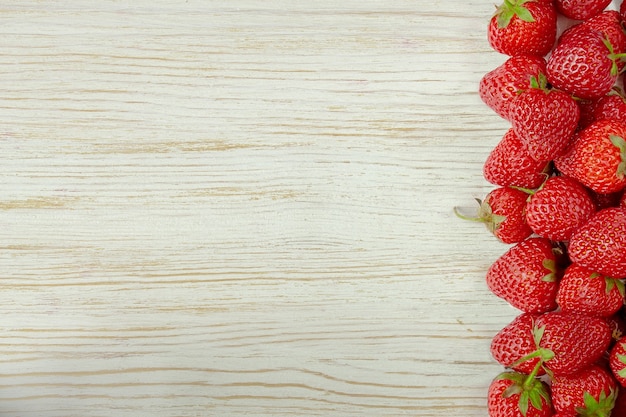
(617, 361)
(592, 392)
(523, 27)
(512, 394)
(609, 23)
(526, 276)
(580, 9)
(600, 244)
(596, 157)
(576, 341)
(514, 342)
(544, 119)
(558, 208)
(587, 292)
(560, 342)
(502, 211)
(583, 64)
(500, 86)
(510, 164)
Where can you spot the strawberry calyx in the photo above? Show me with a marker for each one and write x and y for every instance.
(620, 143)
(611, 283)
(613, 56)
(485, 215)
(531, 391)
(540, 82)
(550, 265)
(601, 407)
(511, 8)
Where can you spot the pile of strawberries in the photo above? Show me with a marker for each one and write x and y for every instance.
(559, 202)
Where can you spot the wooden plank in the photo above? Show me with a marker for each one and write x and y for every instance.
(244, 208)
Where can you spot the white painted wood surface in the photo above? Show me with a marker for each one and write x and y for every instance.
(229, 208)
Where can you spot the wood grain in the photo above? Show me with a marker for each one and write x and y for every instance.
(215, 208)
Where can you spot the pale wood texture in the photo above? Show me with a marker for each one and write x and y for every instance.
(229, 208)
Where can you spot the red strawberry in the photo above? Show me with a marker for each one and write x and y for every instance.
(510, 164)
(526, 276)
(502, 211)
(587, 292)
(512, 394)
(609, 23)
(523, 27)
(622, 11)
(592, 392)
(558, 208)
(562, 343)
(576, 341)
(580, 9)
(514, 342)
(582, 64)
(500, 86)
(544, 119)
(600, 244)
(617, 361)
(596, 157)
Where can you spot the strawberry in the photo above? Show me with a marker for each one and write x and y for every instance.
(587, 292)
(600, 244)
(512, 394)
(576, 341)
(502, 211)
(526, 276)
(596, 157)
(544, 119)
(617, 361)
(609, 23)
(558, 208)
(561, 343)
(622, 11)
(515, 341)
(500, 86)
(580, 9)
(510, 164)
(583, 64)
(592, 392)
(523, 27)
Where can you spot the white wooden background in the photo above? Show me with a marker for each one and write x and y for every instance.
(229, 208)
